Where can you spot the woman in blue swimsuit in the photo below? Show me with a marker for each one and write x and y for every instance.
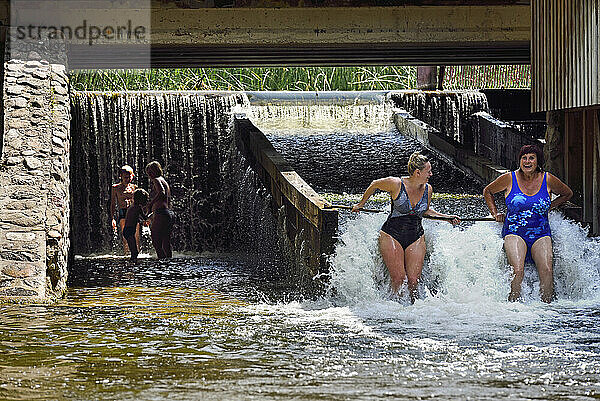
(401, 240)
(526, 232)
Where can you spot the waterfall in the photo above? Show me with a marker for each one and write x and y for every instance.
(307, 117)
(342, 148)
(448, 112)
(188, 133)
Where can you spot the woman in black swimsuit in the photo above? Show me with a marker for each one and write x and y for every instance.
(162, 216)
(401, 239)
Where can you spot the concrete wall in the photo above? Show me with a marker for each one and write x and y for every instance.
(464, 131)
(308, 226)
(34, 182)
(477, 166)
(498, 141)
(448, 111)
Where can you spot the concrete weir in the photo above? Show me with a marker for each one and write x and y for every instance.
(309, 227)
(458, 124)
(34, 173)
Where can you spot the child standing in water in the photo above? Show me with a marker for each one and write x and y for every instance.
(122, 195)
(135, 216)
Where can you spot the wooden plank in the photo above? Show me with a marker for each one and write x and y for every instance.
(588, 176)
(596, 182)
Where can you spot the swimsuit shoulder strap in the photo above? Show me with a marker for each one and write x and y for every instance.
(401, 189)
(424, 198)
(515, 183)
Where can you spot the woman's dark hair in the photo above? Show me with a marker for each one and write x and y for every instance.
(535, 150)
(140, 197)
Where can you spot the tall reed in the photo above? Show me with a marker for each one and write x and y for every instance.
(248, 79)
(297, 78)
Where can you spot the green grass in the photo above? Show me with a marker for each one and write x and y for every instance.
(296, 78)
(248, 79)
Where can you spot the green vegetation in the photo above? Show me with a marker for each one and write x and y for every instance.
(297, 78)
(248, 79)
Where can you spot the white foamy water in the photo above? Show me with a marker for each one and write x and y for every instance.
(465, 264)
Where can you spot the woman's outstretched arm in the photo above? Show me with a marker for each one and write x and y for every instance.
(452, 218)
(388, 184)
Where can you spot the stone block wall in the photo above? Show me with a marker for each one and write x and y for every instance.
(499, 141)
(34, 182)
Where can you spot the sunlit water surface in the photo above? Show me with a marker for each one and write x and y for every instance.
(226, 327)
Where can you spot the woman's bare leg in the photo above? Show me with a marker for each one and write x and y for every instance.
(125, 246)
(138, 235)
(393, 257)
(414, 257)
(541, 251)
(161, 228)
(516, 250)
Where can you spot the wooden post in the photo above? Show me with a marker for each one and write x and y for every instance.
(588, 175)
(574, 154)
(440, 81)
(427, 78)
(596, 183)
(554, 153)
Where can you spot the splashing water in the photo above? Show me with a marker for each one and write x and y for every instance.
(576, 260)
(465, 265)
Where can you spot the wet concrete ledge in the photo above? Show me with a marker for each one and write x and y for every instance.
(309, 227)
(414, 128)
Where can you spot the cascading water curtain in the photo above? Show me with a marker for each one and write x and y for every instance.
(448, 112)
(188, 133)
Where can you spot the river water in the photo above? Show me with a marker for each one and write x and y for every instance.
(224, 326)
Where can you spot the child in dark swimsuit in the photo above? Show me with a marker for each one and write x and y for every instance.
(135, 215)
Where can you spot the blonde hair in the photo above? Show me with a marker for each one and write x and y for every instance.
(154, 168)
(127, 169)
(416, 161)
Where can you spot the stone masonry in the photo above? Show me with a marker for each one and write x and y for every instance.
(34, 182)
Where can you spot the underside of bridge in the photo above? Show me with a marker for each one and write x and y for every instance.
(285, 33)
